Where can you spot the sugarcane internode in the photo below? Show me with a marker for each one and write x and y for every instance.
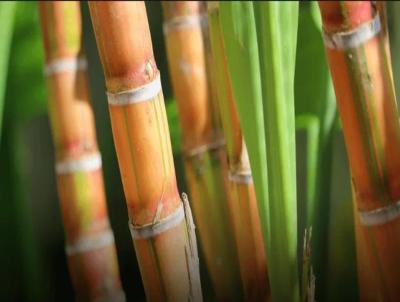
(358, 54)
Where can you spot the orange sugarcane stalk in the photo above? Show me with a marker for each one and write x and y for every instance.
(249, 240)
(162, 231)
(90, 245)
(203, 144)
(357, 52)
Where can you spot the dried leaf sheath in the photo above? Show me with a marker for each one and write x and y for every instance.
(365, 95)
(203, 146)
(167, 259)
(89, 240)
(246, 220)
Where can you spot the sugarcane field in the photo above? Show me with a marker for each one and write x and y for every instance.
(190, 151)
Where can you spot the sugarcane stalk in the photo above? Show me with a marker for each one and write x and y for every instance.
(160, 225)
(202, 143)
(250, 245)
(357, 53)
(90, 247)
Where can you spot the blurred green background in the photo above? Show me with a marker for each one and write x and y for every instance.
(32, 261)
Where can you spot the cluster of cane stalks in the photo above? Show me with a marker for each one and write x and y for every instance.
(232, 68)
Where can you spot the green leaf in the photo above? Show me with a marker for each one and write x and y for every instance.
(26, 67)
(307, 140)
(260, 40)
(277, 36)
(7, 12)
(240, 39)
(314, 97)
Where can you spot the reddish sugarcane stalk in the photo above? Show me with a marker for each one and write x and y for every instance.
(358, 56)
(90, 245)
(250, 244)
(203, 145)
(164, 240)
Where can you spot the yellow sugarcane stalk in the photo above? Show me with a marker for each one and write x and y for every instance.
(90, 245)
(160, 224)
(203, 143)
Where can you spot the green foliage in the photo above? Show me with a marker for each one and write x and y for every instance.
(26, 85)
(315, 98)
(260, 40)
(24, 97)
(7, 12)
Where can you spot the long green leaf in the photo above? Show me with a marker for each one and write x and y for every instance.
(260, 40)
(314, 97)
(277, 36)
(240, 38)
(307, 135)
(7, 12)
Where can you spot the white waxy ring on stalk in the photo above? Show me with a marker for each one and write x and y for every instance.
(240, 178)
(182, 22)
(207, 147)
(65, 65)
(159, 226)
(136, 95)
(353, 38)
(94, 242)
(381, 215)
(85, 163)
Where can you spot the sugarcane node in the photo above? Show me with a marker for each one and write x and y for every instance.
(380, 216)
(240, 177)
(61, 65)
(90, 242)
(353, 38)
(85, 163)
(147, 92)
(218, 144)
(158, 226)
(183, 22)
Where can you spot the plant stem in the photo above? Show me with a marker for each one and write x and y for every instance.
(203, 144)
(90, 245)
(250, 245)
(362, 77)
(164, 240)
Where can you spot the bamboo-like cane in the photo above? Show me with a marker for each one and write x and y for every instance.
(164, 240)
(360, 67)
(90, 245)
(203, 145)
(249, 240)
